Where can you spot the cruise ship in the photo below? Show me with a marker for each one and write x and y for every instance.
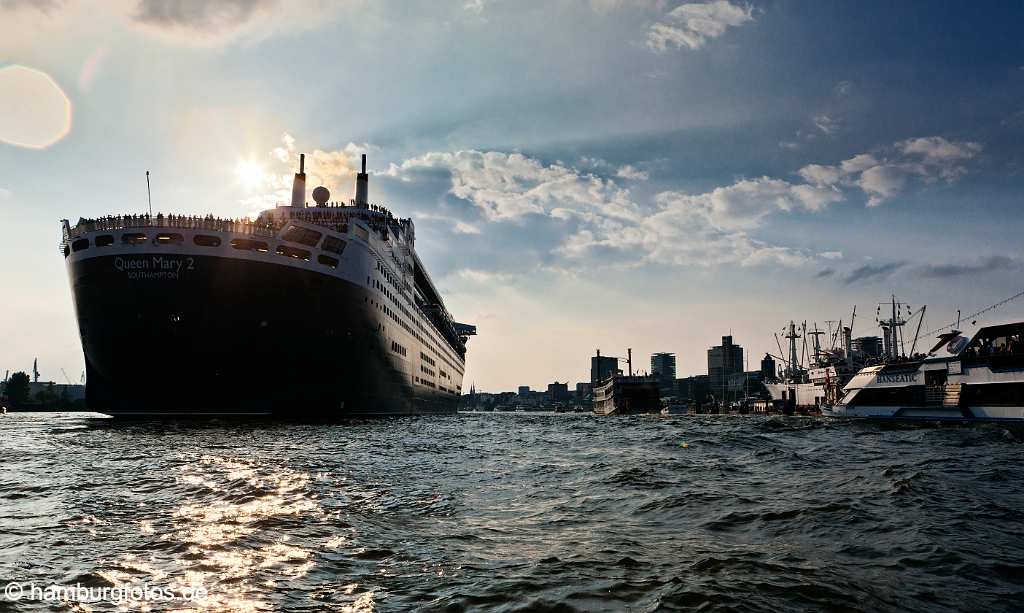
(975, 376)
(322, 311)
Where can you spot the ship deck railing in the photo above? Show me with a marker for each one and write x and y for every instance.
(180, 222)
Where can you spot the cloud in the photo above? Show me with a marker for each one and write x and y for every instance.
(474, 6)
(590, 221)
(203, 22)
(939, 150)
(827, 123)
(880, 177)
(981, 266)
(630, 173)
(691, 25)
(824, 273)
(870, 272)
(881, 182)
(510, 185)
(831, 255)
(462, 227)
(821, 176)
(5, 194)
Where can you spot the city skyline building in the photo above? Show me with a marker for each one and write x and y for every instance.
(723, 361)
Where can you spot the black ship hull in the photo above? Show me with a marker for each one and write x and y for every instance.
(216, 336)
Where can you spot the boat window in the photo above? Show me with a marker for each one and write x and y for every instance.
(205, 240)
(246, 244)
(333, 244)
(67, 250)
(327, 261)
(169, 238)
(78, 245)
(303, 236)
(292, 252)
(104, 240)
(133, 238)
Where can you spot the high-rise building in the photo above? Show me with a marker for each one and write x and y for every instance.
(602, 367)
(723, 361)
(524, 390)
(663, 368)
(768, 368)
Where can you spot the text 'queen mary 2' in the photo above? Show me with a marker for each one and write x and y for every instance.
(320, 311)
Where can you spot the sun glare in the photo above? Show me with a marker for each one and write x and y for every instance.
(250, 174)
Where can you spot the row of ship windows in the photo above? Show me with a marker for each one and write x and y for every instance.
(426, 358)
(380, 286)
(400, 350)
(205, 240)
(426, 370)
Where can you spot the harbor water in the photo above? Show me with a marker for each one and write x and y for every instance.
(516, 512)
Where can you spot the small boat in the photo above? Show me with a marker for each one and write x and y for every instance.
(676, 409)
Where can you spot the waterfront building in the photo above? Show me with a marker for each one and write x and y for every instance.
(524, 391)
(694, 389)
(558, 392)
(723, 361)
(663, 368)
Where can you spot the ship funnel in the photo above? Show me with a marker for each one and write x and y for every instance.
(299, 184)
(362, 186)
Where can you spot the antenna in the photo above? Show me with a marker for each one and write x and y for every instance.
(149, 195)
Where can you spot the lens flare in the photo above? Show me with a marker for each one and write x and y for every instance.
(34, 111)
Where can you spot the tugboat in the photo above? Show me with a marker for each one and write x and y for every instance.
(322, 311)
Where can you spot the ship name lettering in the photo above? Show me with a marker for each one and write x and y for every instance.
(897, 378)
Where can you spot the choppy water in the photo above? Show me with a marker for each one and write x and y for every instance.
(518, 512)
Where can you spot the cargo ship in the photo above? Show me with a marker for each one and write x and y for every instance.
(321, 310)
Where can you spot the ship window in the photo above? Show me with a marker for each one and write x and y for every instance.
(133, 238)
(205, 240)
(327, 261)
(292, 252)
(246, 244)
(104, 240)
(333, 244)
(78, 245)
(303, 236)
(67, 251)
(167, 238)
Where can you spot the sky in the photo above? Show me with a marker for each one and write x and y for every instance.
(583, 174)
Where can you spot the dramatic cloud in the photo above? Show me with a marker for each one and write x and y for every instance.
(510, 185)
(871, 272)
(595, 220)
(691, 25)
(824, 273)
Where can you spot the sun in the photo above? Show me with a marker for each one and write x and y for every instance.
(250, 174)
